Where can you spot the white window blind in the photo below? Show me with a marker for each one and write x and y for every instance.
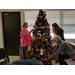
(68, 24)
(30, 17)
(53, 16)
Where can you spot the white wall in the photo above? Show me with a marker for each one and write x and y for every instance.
(1, 33)
(22, 16)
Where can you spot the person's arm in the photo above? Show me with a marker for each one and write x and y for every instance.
(54, 50)
(29, 33)
(60, 49)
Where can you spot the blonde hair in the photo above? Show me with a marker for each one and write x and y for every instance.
(56, 38)
(24, 24)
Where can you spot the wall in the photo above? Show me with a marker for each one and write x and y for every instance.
(22, 16)
(1, 33)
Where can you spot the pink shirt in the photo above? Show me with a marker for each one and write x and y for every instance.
(25, 41)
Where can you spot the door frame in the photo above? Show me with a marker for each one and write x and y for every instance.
(3, 26)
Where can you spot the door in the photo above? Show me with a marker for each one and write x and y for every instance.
(11, 28)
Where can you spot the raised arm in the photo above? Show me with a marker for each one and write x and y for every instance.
(29, 33)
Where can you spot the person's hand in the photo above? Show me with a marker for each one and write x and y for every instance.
(32, 30)
(52, 41)
(49, 57)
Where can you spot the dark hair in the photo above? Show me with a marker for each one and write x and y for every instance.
(56, 28)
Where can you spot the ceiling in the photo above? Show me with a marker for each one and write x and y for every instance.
(18, 10)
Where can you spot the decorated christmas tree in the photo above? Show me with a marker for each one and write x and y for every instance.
(41, 45)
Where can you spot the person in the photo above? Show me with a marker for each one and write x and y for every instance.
(25, 40)
(64, 47)
(57, 31)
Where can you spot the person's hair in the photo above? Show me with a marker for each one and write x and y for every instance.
(56, 28)
(24, 24)
(56, 38)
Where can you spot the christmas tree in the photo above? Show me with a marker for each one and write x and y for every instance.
(41, 44)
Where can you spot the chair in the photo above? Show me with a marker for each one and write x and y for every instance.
(5, 57)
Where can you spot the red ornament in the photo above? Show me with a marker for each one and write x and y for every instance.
(36, 21)
(44, 40)
(45, 55)
(37, 35)
(34, 46)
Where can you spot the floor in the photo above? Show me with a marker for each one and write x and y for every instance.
(69, 61)
(13, 58)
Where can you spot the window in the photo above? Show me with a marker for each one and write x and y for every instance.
(64, 18)
(68, 24)
(30, 17)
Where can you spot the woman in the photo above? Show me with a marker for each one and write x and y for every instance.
(64, 47)
(58, 31)
(25, 39)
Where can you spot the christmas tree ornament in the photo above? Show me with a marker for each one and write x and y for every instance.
(46, 31)
(41, 51)
(36, 21)
(45, 55)
(41, 36)
(44, 40)
(34, 46)
(36, 50)
(40, 16)
(33, 26)
(34, 39)
(37, 35)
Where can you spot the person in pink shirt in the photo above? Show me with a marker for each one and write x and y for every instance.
(25, 40)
